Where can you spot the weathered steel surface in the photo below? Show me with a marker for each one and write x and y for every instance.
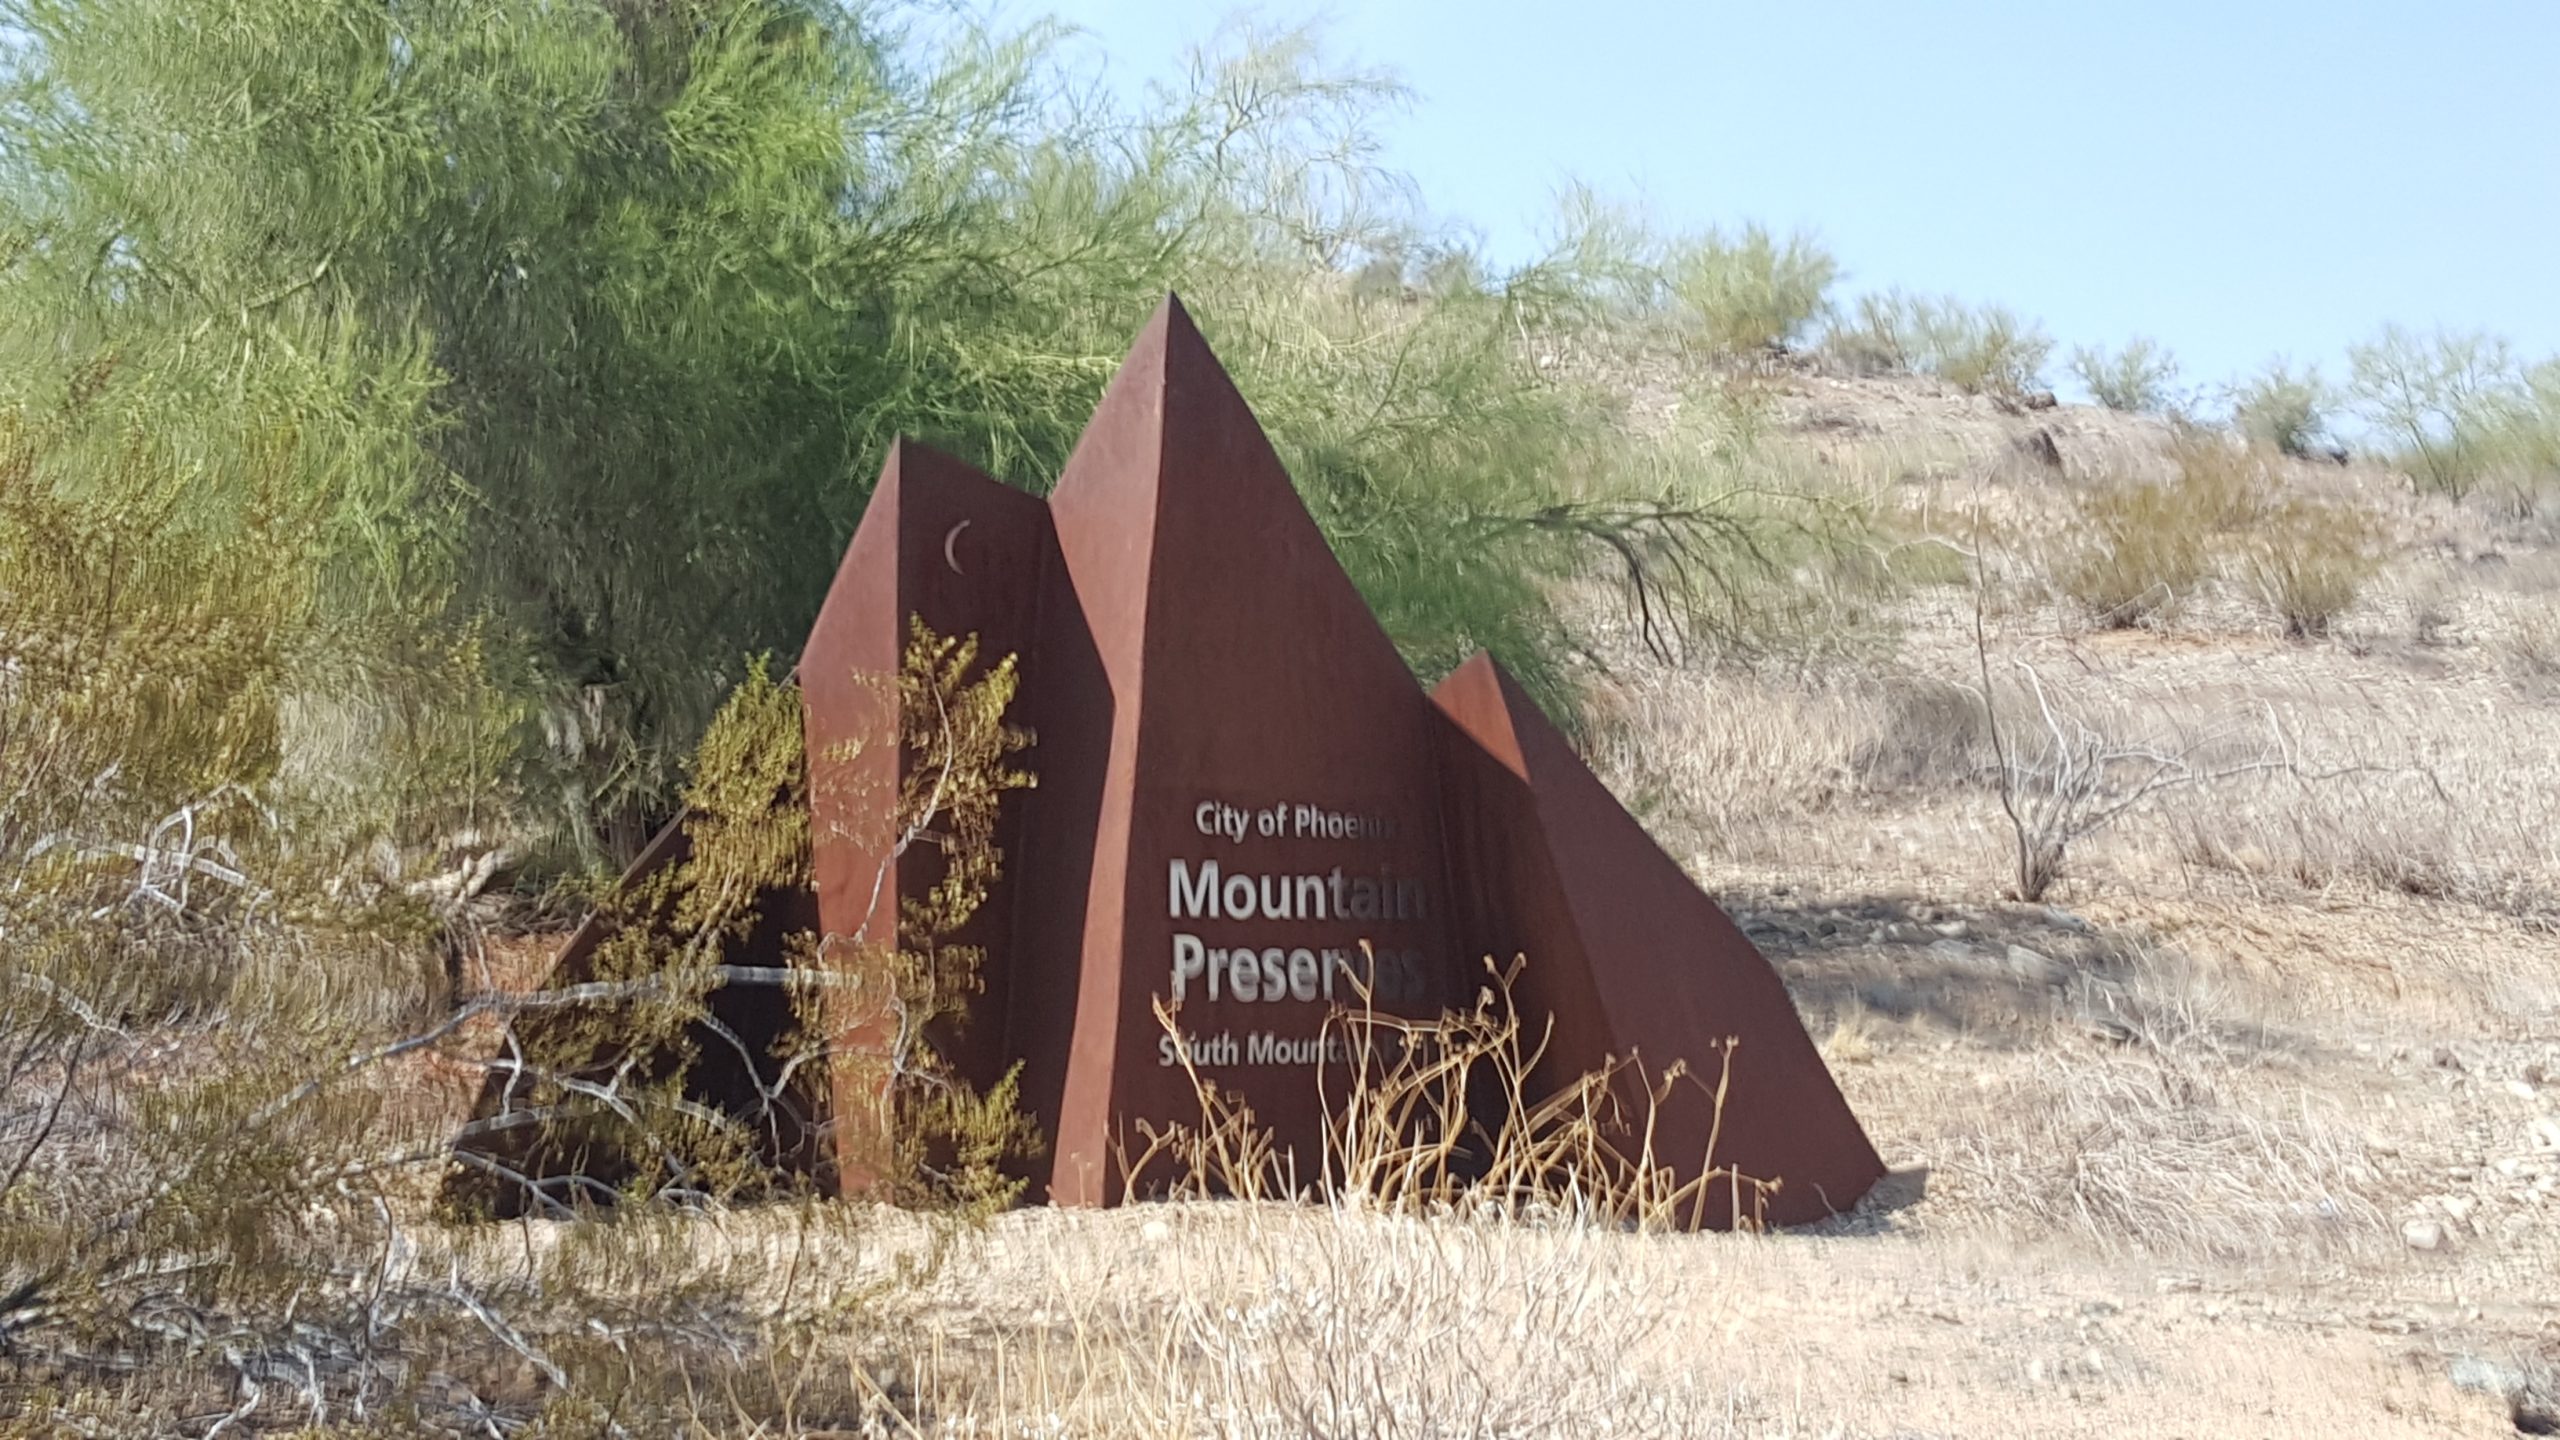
(966, 555)
(1634, 961)
(1243, 796)
(1267, 746)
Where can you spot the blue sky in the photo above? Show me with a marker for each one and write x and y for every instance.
(2237, 180)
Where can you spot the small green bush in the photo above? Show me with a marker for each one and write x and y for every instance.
(2138, 377)
(2142, 554)
(2525, 438)
(2283, 409)
(2146, 547)
(1984, 350)
(1752, 291)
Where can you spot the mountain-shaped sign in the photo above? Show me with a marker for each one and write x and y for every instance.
(1249, 811)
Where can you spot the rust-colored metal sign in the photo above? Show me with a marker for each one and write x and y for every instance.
(1249, 810)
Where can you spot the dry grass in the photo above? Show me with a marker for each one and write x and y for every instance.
(2308, 563)
(2533, 645)
(2176, 1134)
(2142, 1157)
(2422, 792)
(2142, 1186)
(2396, 781)
(1255, 1321)
(1737, 767)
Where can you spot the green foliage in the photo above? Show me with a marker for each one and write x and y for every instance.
(2464, 413)
(2279, 408)
(746, 801)
(2439, 398)
(160, 867)
(2525, 436)
(609, 1098)
(602, 1075)
(590, 321)
(2141, 554)
(1752, 291)
(2144, 548)
(939, 1139)
(182, 936)
(150, 814)
(1731, 294)
(1984, 350)
(2139, 377)
(141, 662)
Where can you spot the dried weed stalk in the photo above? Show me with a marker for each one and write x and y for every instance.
(1455, 1115)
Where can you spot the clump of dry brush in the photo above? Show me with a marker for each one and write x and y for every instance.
(1458, 1115)
(227, 1108)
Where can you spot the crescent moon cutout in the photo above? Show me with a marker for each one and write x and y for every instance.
(951, 556)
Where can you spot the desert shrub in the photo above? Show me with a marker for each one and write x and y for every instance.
(2446, 400)
(1752, 291)
(1612, 273)
(2526, 439)
(138, 667)
(2226, 486)
(1984, 350)
(2280, 408)
(195, 1204)
(186, 943)
(2141, 553)
(150, 752)
(188, 933)
(2138, 377)
(2308, 560)
(2144, 547)
(2464, 414)
(2068, 769)
(705, 954)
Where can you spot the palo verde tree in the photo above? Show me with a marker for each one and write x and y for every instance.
(592, 319)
